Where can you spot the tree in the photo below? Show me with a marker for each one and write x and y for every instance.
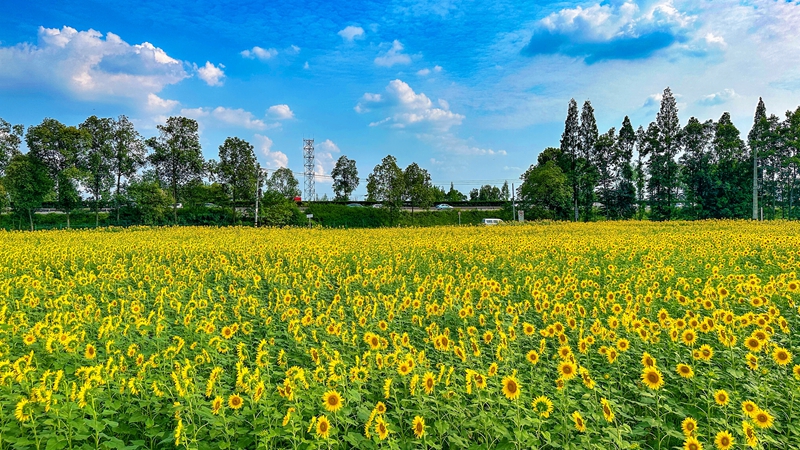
(642, 152)
(149, 198)
(474, 194)
(625, 189)
(695, 172)
(237, 170)
(284, 183)
(663, 182)
(545, 192)
(28, 182)
(177, 156)
(790, 131)
(98, 160)
(605, 168)
(586, 167)
(731, 175)
(489, 193)
(453, 195)
(61, 149)
(570, 148)
(345, 178)
(128, 154)
(505, 194)
(10, 140)
(756, 139)
(386, 184)
(417, 186)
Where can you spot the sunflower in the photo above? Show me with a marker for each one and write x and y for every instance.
(323, 427)
(623, 345)
(796, 371)
(691, 443)
(543, 406)
(567, 369)
(724, 440)
(648, 360)
(381, 429)
(608, 413)
(752, 361)
(90, 351)
(19, 410)
(706, 352)
(419, 426)
(480, 381)
(511, 387)
(580, 424)
(685, 370)
(721, 397)
(216, 405)
(689, 336)
(652, 378)
(749, 408)
(752, 343)
(428, 382)
(763, 419)
(404, 368)
(532, 357)
(235, 402)
(332, 401)
(528, 329)
(749, 434)
(380, 408)
(782, 356)
(492, 370)
(688, 426)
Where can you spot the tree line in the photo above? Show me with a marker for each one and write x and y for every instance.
(703, 170)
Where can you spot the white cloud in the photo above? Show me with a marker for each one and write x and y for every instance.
(156, 103)
(718, 98)
(293, 50)
(211, 74)
(89, 66)
(259, 53)
(410, 108)
(324, 161)
(274, 159)
(452, 145)
(393, 56)
(281, 112)
(228, 116)
(351, 32)
(305, 66)
(713, 39)
(425, 72)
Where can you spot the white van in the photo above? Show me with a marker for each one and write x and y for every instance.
(492, 221)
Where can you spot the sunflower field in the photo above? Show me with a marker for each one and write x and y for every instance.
(605, 335)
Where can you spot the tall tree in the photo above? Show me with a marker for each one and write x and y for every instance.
(417, 186)
(586, 168)
(10, 140)
(756, 139)
(28, 182)
(545, 192)
(61, 149)
(98, 160)
(663, 183)
(643, 139)
(605, 155)
(284, 183)
(791, 160)
(505, 194)
(386, 184)
(625, 190)
(570, 148)
(237, 170)
(345, 178)
(696, 168)
(177, 156)
(731, 174)
(129, 154)
(454, 195)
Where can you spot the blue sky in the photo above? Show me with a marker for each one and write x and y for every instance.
(470, 90)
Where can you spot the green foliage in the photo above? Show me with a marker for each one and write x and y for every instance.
(283, 182)
(27, 183)
(345, 178)
(545, 192)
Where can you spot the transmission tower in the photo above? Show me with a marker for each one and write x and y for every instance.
(308, 175)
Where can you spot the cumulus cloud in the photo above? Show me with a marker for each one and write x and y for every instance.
(610, 31)
(324, 160)
(211, 74)
(718, 98)
(281, 112)
(350, 33)
(409, 108)
(228, 116)
(393, 56)
(425, 72)
(713, 39)
(88, 65)
(273, 158)
(156, 103)
(259, 53)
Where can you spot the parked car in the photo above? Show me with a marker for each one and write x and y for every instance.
(377, 205)
(355, 205)
(492, 221)
(444, 206)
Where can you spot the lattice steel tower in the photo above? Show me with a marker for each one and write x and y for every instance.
(308, 175)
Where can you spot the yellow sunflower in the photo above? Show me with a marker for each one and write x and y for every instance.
(724, 440)
(580, 424)
(419, 426)
(567, 369)
(763, 419)
(652, 378)
(721, 397)
(332, 401)
(685, 370)
(381, 428)
(511, 388)
(532, 357)
(235, 401)
(691, 443)
(608, 413)
(749, 408)
(543, 406)
(782, 356)
(428, 382)
(688, 426)
(323, 427)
